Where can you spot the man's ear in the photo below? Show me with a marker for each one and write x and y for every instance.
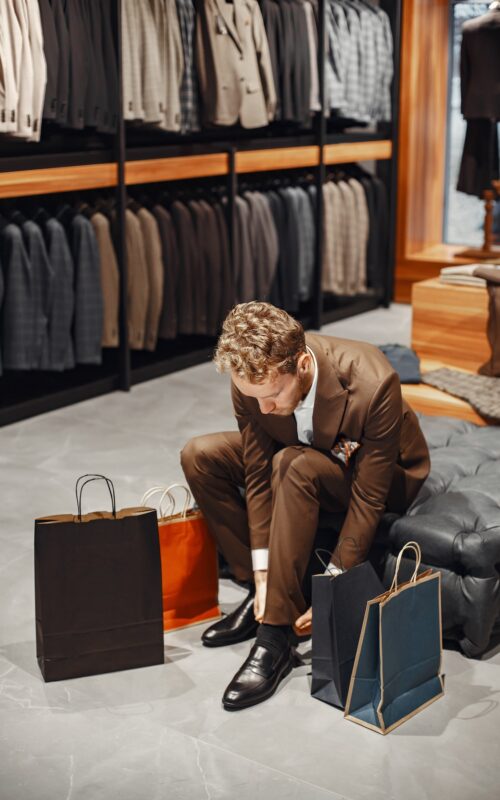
(303, 362)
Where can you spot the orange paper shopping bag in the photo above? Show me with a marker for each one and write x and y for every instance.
(188, 562)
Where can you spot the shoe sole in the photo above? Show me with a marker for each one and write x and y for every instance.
(249, 635)
(249, 704)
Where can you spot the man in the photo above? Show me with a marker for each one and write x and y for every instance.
(322, 424)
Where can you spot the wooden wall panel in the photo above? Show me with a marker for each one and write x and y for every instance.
(422, 143)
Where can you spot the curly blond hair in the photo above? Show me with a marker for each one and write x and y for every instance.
(259, 341)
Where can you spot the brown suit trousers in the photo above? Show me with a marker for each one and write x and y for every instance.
(304, 480)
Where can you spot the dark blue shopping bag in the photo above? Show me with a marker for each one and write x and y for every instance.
(397, 670)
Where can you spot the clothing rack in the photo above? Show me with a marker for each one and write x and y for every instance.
(111, 165)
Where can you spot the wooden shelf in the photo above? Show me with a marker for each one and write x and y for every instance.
(282, 158)
(172, 168)
(346, 152)
(57, 179)
(176, 168)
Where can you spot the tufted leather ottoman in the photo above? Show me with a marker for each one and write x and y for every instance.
(456, 521)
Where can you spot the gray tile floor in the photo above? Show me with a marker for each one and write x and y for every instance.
(161, 732)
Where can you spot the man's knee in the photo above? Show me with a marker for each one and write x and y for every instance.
(197, 454)
(291, 463)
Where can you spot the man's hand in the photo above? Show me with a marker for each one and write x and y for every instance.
(259, 603)
(303, 625)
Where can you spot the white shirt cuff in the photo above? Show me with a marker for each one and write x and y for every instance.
(260, 558)
(333, 570)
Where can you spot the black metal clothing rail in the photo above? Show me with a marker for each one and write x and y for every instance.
(25, 395)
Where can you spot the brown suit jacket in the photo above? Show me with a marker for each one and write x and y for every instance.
(358, 395)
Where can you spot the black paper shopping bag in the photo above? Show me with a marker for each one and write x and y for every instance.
(98, 600)
(338, 606)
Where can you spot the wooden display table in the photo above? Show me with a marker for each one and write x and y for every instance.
(429, 400)
(449, 324)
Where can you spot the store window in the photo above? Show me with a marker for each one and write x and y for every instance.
(464, 214)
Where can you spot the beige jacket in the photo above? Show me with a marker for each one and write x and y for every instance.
(137, 282)
(234, 65)
(171, 62)
(110, 280)
(154, 263)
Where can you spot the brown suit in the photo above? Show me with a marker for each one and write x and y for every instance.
(358, 396)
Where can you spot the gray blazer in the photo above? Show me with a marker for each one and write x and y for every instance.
(60, 353)
(42, 290)
(88, 292)
(234, 64)
(189, 85)
(18, 317)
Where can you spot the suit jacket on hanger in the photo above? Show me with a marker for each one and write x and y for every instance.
(168, 319)
(78, 63)
(480, 67)
(19, 317)
(358, 396)
(228, 287)
(88, 291)
(51, 53)
(154, 265)
(188, 267)
(210, 240)
(143, 77)
(189, 85)
(358, 279)
(202, 269)
(63, 60)
(244, 276)
(234, 65)
(171, 56)
(11, 46)
(110, 280)
(60, 353)
(137, 281)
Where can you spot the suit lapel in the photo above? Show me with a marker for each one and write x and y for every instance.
(227, 18)
(331, 397)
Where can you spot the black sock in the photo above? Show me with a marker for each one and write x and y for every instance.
(275, 636)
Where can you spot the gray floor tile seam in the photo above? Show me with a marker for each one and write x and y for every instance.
(261, 764)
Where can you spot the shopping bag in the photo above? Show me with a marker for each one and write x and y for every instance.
(397, 671)
(97, 590)
(190, 582)
(338, 606)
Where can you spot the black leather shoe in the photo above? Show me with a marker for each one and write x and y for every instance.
(238, 626)
(259, 676)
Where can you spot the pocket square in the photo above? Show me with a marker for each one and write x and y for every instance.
(344, 448)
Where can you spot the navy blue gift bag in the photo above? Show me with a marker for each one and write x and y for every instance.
(397, 670)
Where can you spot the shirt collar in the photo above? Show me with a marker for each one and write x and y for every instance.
(308, 401)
